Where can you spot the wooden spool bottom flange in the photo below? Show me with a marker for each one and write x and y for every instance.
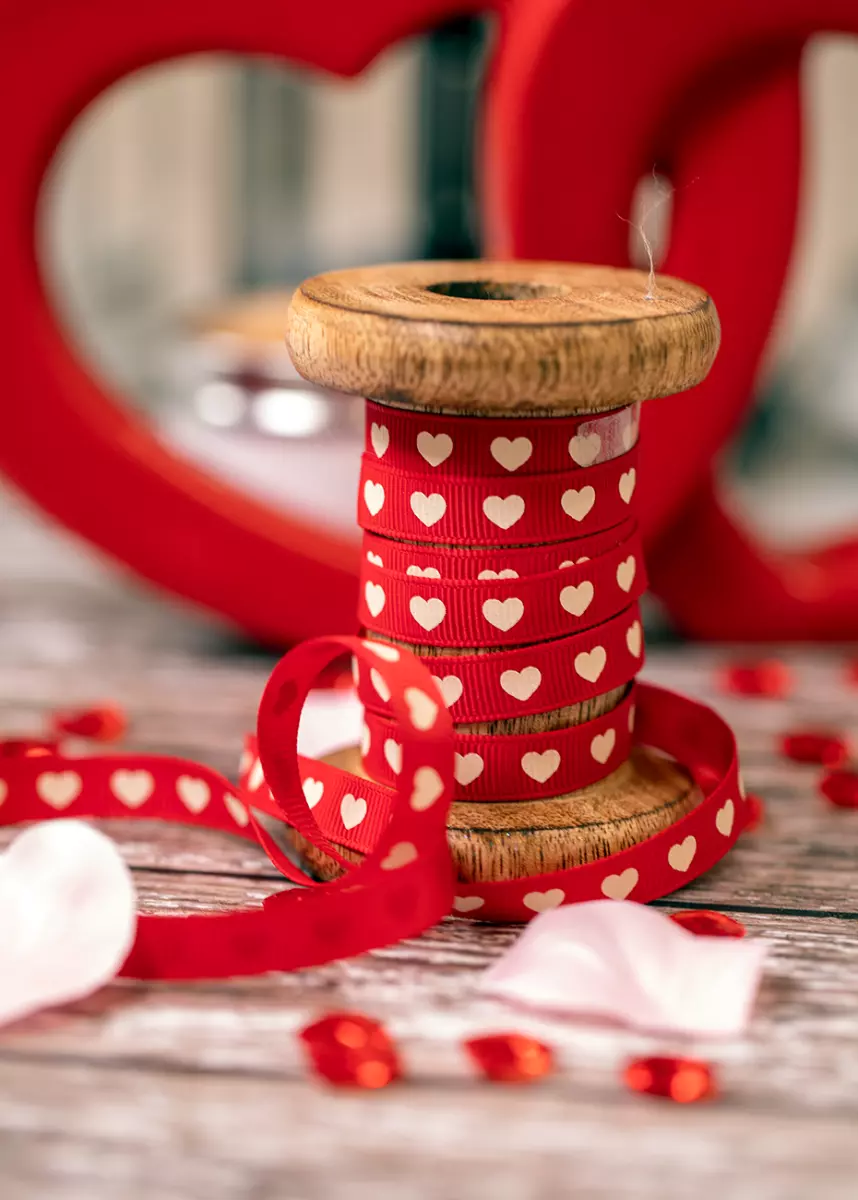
(510, 840)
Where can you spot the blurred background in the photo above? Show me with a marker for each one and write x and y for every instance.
(192, 197)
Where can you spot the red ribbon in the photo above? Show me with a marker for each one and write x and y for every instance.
(486, 562)
(405, 883)
(502, 611)
(489, 511)
(460, 447)
(404, 880)
(532, 678)
(525, 766)
(676, 726)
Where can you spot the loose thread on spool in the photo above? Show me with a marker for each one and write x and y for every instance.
(663, 192)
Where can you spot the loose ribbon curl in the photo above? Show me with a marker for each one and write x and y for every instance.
(406, 881)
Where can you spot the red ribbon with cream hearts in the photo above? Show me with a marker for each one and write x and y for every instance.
(482, 510)
(406, 881)
(404, 884)
(396, 820)
(502, 609)
(459, 447)
(532, 678)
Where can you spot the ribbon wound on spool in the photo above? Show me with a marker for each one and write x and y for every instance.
(396, 821)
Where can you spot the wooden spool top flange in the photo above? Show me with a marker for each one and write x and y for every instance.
(502, 337)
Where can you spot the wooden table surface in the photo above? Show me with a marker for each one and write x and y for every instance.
(185, 1091)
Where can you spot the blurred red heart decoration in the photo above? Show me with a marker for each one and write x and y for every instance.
(66, 442)
(709, 95)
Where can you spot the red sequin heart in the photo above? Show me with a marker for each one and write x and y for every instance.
(840, 788)
(770, 677)
(706, 923)
(826, 749)
(350, 1050)
(683, 1080)
(26, 747)
(510, 1057)
(106, 723)
(755, 812)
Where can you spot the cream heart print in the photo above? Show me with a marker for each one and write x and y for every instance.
(379, 435)
(373, 497)
(590, 664)
(467, 768)
(375, 598)
(577, 599)
(503, 614)
(59, 788)
(428, 509)
(618, 887)
(539, 902)
(576, 503)
(584, 448)
(511, 453)
(540, 767)
(434, 450)
(450, 687)
(521, 684)
(427, 613)
(503, 511)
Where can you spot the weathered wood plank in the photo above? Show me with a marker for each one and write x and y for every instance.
(93, 1133)
(800, 1055)
(199, 1089)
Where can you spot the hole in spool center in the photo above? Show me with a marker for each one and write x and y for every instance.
(490, 289)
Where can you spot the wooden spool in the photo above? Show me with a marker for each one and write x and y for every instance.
(508, 339)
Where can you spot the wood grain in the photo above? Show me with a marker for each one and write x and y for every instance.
(502, 337)
(199, 1092)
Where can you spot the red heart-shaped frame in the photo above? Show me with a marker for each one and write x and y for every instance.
(65, 441)
(711, 96)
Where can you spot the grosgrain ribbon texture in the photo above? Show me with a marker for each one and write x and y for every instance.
(483, 510)
(501, 607)
(455, 446)
(403, 885)
(406, 882)
(681, 728)
(521, 680)
(527, 766)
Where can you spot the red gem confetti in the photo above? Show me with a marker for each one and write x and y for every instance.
(510, 1057)
(106, 723)
(826, 749)
(840, 788)
(707, 923)
(26, 747)
(683, 1080)
(770, 677)
(755, 812)
(350, 1050)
